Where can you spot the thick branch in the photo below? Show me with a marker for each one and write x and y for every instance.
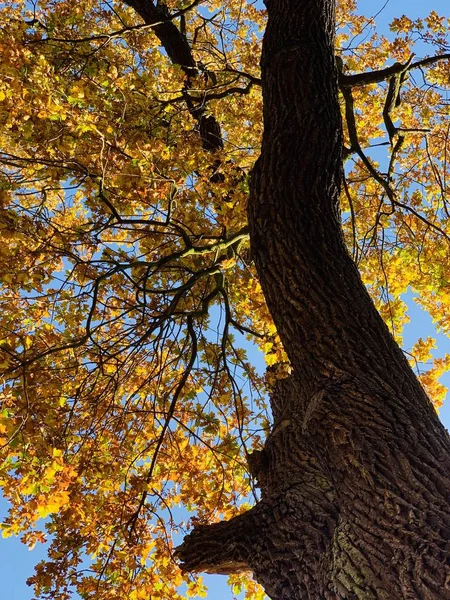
(174, 42)
(221, 548)
(179, 51)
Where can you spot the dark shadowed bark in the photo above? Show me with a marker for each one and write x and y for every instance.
(355, 476)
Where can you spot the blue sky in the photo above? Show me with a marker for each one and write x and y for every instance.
(16, 562)
(395, 8)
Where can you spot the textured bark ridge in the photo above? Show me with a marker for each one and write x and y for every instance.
(355, 476)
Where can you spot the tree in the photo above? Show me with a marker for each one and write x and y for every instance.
(129, 135)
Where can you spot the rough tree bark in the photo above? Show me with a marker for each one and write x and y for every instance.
(355, 476)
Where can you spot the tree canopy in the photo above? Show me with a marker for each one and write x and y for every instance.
(129, 298)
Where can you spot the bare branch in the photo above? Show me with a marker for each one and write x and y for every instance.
(359, 79)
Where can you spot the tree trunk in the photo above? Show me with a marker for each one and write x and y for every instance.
(355, 476)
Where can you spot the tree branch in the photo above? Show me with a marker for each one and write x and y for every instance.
(359, 79)
(179, 51)
(113, 34)
(220, 548)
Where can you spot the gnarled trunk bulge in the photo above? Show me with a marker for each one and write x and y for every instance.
(355, 476)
